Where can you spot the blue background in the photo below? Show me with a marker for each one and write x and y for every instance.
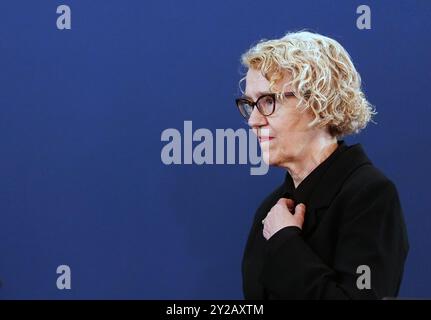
(81, 116)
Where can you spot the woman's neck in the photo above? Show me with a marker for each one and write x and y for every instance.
(310, 160)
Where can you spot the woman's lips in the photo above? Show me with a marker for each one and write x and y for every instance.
(265, 139)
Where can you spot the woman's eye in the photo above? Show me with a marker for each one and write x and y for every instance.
(268, 100)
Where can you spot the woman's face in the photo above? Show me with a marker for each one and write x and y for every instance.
(283, 135)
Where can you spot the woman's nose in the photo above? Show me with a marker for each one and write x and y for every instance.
(256, 119)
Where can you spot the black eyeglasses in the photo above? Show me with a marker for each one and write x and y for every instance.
(265, 104)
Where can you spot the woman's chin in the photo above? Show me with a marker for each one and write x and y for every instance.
(272, 160)
(265, 157)
(270, 156)
(269, 160)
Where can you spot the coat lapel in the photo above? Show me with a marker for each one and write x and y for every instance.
(330, 184)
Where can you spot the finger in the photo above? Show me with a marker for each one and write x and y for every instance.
(290, 204)
(300, 213)
(265, 232)
(263, 220)
(287, 202)
(282, 201)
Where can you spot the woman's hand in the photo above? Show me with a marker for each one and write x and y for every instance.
(281, 216)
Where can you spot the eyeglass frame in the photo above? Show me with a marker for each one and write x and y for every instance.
(254, 104)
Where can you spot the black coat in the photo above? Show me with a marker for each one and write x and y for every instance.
(353, 218)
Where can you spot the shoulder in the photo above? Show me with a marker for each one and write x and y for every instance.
(370, 201)
(358, 173)
(369, 180)
(369, 195)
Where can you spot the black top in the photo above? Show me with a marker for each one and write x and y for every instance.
(305, 188)
(353, 219)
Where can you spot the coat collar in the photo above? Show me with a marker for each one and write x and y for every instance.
(322, 184)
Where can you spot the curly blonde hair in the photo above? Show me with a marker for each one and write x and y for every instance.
(323, 78)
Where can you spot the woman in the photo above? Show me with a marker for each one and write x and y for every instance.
(334, 229)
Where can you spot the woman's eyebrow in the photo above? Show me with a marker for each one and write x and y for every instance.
(258, 94)
(261, 93)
